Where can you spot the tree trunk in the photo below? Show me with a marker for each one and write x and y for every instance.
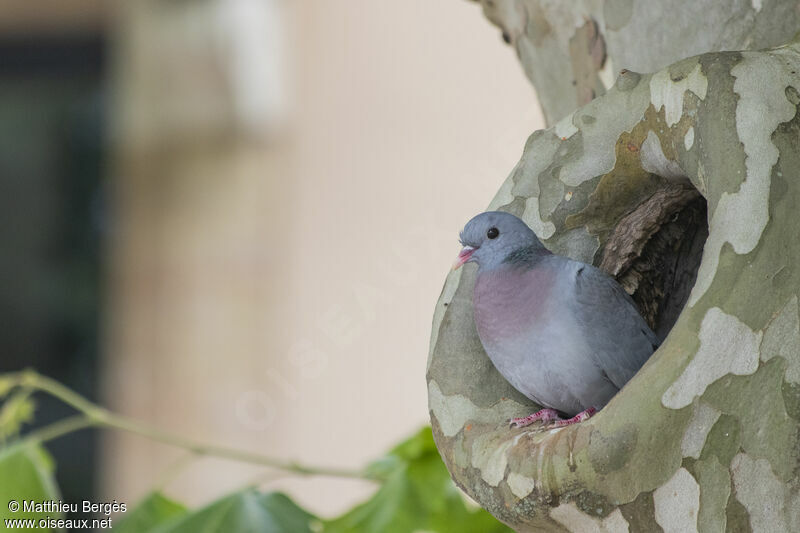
(572, 51)
(705, 437)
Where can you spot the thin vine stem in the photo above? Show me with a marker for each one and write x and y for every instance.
(95, 415)
(57, 429)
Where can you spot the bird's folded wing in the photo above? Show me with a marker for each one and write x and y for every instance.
(620, 338)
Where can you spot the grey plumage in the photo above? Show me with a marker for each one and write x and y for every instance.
(562, 332)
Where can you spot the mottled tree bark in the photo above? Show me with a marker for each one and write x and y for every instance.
(705, 437)
(572, 51)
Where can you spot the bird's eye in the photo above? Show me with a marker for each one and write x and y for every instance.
(492, 233)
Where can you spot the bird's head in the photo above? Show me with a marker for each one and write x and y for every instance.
(490, 237)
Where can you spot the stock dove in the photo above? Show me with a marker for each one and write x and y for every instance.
(563, 333)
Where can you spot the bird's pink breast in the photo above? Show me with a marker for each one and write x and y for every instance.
(508, 302)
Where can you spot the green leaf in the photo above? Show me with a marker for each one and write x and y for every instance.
(26, 474)
(15, 412)
(155, 510)
(6, 384)
(418, 494)
(247, 511)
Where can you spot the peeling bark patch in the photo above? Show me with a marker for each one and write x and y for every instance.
(490, 456)
(740, 218)
(755, 420)
(565, 128)
(576, 521)
(543, 229)
(551, 191)
(761, 493)
(724, 440)
(736, 518)
(540, 149)
(694, 437)
(587, 53)
(727, 346)
(688, 139)
(654, 161)
(452, 412)
(599, 138)
(677, 503)
(791, 399)
(520, 485)
(615, 522)
(782, 339)
(669, 94)
(641, 513)
(716, 490)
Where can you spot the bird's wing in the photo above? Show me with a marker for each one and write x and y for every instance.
(621, 340)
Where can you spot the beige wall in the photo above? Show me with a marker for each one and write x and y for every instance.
(277, 294)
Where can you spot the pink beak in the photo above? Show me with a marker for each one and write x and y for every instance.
(463, 256)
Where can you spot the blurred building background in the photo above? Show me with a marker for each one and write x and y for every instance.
(53, 170)
(272, 191)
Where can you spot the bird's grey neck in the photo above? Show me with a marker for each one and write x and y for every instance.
(527, 256)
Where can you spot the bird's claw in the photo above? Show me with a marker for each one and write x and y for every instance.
(516, 423)
(549, 419)
(580, 417)
(543, 417)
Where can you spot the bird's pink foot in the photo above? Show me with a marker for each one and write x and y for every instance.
(545, 416)
(580, 417)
